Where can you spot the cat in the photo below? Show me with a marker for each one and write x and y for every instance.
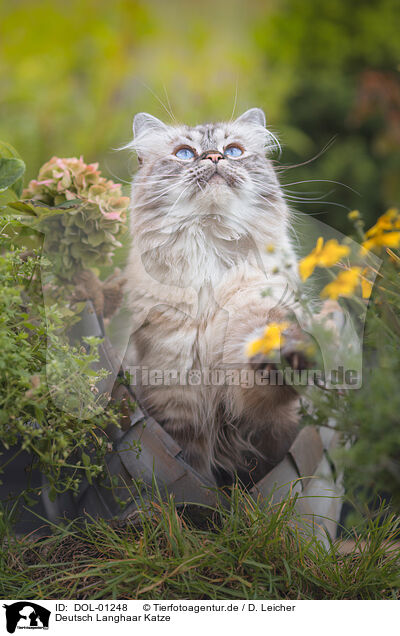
(201, 285)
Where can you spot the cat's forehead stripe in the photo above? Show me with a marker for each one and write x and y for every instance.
(206, 136)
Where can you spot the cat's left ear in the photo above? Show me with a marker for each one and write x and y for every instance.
(253, 116)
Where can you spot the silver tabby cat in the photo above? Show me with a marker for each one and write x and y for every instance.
(206, 203)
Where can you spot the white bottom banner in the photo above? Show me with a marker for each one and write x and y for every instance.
(181, 617)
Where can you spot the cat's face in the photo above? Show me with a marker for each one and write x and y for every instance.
(191, 172)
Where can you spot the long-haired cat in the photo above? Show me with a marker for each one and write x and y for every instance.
(211, 264)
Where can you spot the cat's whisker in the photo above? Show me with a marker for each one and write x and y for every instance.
(158, 188)
(344, 185)
(169, 104)
(120, 179)
(158, 178)
(167, 110)
(234, 100)
(305, 192)
(199, 185)
(275, 146)
(161, 194)
(293, 195)
(164, 189)
(298, 199)
(263, 184)
(306, 201)
(305, 163)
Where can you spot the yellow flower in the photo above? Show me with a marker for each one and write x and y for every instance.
(385, 222)
(383, 233)
(332, 253)
(343, 285)
(272, 338)
(385, 239)
(309, 263)
(354, 215)
(322, 256)
(366, 285)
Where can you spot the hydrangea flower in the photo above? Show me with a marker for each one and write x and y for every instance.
(85, 231)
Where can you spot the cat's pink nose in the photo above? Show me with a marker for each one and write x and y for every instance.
(214, 156)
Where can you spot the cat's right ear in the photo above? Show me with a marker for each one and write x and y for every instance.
(146, 131)
(145, 123)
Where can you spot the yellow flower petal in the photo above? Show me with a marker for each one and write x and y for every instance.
(254, 347)
(332, 253)
(366, 285)
(307, 266)
(366, 288)
(387, 221)
(390, 239)
(322, 256)
(344, 284)
(319, 245)
(276, 327)
(271, 339)
(385, 239)
(309, 262)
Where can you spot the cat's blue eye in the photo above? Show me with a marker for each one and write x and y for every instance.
(233, 151)
(185, 153)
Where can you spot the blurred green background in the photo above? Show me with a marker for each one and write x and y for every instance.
(73, 74)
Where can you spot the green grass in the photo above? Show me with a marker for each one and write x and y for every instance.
(244, 551)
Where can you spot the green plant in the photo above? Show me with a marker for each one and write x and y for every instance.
(368, 418)
(37, 359)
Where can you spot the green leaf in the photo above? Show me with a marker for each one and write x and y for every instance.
(8, 151)
(70, 204)
(41, 211)
(18, 186)
(86, 462)
(7, 197)
(85, 459)
(11, 170)
(52, 494)
(22, 206)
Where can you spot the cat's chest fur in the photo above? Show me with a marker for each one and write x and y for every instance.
(194, 258)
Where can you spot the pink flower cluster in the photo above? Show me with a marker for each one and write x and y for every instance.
(61, 180)
(85, 233)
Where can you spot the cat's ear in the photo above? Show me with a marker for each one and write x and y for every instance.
(253, 116)
(143, 122)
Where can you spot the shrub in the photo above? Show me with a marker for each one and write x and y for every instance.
(36, 354)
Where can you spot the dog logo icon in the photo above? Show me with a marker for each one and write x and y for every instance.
(26, 615)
